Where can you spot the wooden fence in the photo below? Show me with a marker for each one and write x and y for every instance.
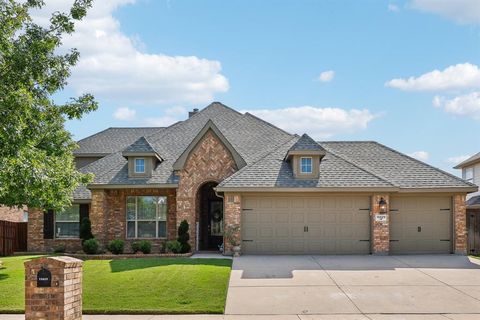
(13, 237)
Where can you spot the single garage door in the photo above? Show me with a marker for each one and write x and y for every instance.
(420, 224)
(306, 225)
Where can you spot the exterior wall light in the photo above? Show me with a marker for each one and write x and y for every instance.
(382, 204)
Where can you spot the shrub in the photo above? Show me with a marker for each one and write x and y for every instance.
(116, 246)
(59, 248)
(145, 246)
(91, 246)
(86, 230)
(135, 246)
(174, 246)
(184, 236)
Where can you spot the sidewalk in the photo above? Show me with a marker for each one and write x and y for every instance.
(273, 317)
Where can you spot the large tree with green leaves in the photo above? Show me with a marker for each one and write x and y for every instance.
(36, 160)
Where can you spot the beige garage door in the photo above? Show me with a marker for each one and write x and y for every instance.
(306, 225)
(420, 224)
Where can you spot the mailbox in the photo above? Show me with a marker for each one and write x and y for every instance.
(44, 278)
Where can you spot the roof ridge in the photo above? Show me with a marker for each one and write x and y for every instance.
(266, 122)
(93, 135)
(363, 169)
(426, 164)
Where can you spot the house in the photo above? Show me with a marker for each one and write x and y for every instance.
(275, 192)
(471, 173)
(13, 214)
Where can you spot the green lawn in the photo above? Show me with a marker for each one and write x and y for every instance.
(150, 285)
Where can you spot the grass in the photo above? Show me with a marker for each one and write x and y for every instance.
(130, 286)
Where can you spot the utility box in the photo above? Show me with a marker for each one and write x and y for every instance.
(53, 288)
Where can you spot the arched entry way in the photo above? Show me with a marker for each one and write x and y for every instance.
(210, 214)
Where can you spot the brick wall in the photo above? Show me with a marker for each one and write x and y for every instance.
(63, 300)
(460, 222)
(232, 216)
(11, 214)
(380, 232)
(35, 240)
(209, 161)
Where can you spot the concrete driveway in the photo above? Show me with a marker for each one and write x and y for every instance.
(356, 287)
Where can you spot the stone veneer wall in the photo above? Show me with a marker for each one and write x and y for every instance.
(209, 161)
(380, 232)
(108, 215)
(233, 217)
(11, 214)
(35, 231)
(460, 223)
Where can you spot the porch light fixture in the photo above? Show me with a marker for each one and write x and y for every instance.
(382, 204)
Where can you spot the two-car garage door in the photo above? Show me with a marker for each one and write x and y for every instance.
(296, 225)
(341, 224)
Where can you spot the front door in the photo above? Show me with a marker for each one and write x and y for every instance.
(215, 224)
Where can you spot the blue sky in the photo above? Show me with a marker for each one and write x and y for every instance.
(338, 70)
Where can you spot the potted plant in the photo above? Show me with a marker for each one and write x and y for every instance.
(230, 235)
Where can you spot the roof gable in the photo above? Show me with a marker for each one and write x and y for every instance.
(180, 162)
(141, 147)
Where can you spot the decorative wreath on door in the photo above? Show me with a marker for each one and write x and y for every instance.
(217, 216)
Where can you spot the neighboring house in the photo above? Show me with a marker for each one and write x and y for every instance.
(471, 173)
(13, 214)
(275, 192)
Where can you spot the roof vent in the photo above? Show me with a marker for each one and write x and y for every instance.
(191, 113)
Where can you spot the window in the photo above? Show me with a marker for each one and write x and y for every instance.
(468, 174)
(67, 223)
(306, 165)
(146, 217)
(139, 165)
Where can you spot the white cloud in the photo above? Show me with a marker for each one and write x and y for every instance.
(467, 105)
(114, 66)
(461, 11)
(320, 123)
(326, 76)
(393, 7)
(463, 75)
(457, 159)
(124, 113)
(419, 155)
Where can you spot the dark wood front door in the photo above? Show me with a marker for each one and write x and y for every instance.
(215, 224)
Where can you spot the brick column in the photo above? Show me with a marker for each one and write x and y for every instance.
(460, 223)
(35, 241)
(380, 228)
(98, 215)
(232, 216)
(63, 299)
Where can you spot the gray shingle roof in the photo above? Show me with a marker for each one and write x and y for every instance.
(141, 145)
(112, 139)
(471, 160)
(474, 201)
(306, 143)
(263, 147)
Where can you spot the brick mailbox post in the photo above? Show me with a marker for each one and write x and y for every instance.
(53, 289)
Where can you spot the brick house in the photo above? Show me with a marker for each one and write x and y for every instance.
(281, 193)
(13, 214)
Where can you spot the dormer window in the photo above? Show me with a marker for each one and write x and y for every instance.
(306, 165)
(139, 165)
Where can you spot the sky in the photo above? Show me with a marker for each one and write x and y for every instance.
(403, 73)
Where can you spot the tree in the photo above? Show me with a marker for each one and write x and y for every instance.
(184, 236)
(36, 160)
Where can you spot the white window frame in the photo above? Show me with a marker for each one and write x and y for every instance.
(136, 220)
(465, 177)
(135, 165)
(55, 220)
(311, 165)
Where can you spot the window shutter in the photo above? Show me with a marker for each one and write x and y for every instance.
(48, 224)
(83, 212)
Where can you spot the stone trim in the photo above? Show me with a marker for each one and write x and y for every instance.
(380, 230)
(460, 224)
(232, 214)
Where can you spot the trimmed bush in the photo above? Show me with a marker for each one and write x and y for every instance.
(59, 248)
(184, 236)
(174, 246)
(135, 246)
(116, 246)
(145, 246)
(91, 246)
(85, 230)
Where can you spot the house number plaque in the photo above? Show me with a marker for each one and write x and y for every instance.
(381, 217)
(44, 278)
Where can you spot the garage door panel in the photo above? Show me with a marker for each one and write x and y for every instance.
(335, 224)
(420, 224)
